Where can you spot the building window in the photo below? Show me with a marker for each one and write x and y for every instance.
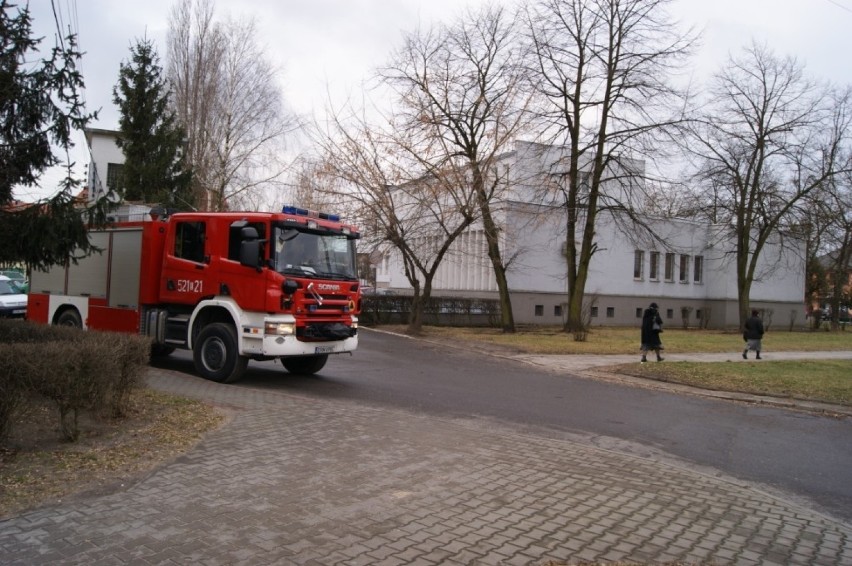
(669, 313)
(114, 171)
(539, 310)
(610, 312)
(655, 267)
(670, 261)
(557, 310)
(698, 269)
(638, 264)
(639, 312)
(698, 314)
(594, 312)
(684, 268)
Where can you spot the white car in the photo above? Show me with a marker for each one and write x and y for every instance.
(13, 303)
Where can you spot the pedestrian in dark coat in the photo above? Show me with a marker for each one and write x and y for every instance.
(753, 334)
(652, 326)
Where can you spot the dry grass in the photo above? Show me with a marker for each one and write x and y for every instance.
(828, 381)
(36, 468)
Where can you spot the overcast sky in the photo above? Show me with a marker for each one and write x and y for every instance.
(331, 46)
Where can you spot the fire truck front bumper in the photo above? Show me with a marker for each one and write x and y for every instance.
(283, 338)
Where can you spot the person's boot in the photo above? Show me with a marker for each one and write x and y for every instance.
(644, 359)
(758, 355)
(745, 354)
(659, 357)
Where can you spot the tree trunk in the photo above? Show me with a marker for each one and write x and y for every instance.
(743, 291)
(415, 317)
(507, 317)
(492, 237)
(575, 320)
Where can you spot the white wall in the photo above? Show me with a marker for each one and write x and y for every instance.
(103, 151)
(533, 236)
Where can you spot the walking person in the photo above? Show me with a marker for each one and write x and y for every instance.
(752, 334)
(652, 326)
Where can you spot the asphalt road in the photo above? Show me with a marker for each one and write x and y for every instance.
(805, 456)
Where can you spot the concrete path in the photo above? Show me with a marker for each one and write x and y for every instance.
(583, 362)
(306, 481)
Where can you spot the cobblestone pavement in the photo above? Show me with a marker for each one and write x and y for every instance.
(296, 480)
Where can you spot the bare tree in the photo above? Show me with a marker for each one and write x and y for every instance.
(603, 70)
(840, 257)
(418, 218)
(766, 139)
(229, 103)
(828, 215)
(194, 56)
(311, 187)
(461, 104)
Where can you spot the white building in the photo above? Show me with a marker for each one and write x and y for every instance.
(107, 161)
(689, 269)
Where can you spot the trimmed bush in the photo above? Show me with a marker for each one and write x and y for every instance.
(13, 393)
(76, 370)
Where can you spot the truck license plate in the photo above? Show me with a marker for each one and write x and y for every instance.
(324, 349)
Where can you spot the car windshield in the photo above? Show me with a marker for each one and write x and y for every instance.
(9, 288)
(308, 254)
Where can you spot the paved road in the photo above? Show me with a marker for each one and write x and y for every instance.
(298, 479)
(753, 442)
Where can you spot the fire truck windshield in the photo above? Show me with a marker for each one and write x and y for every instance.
(316, 255)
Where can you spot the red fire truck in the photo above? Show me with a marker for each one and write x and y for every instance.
(229, 286)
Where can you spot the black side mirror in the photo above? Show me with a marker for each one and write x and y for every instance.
(250, 253)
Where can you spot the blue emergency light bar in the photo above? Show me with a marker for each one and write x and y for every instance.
(288, 209)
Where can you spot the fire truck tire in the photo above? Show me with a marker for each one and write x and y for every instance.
(70, 317)
(304, 365)
(216, 354)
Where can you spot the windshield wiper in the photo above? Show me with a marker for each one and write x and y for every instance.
(299, 270)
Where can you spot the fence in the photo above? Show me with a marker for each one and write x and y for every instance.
(438, 311)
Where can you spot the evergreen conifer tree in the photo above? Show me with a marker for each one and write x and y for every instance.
(152, 141)
(40, 108)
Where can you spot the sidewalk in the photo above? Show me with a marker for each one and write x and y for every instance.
(306, 481)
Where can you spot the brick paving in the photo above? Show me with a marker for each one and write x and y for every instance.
(293, 480)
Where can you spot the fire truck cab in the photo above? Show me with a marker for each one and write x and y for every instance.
(229, 286)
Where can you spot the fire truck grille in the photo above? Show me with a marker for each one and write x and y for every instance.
(332, 306)
(325, 332)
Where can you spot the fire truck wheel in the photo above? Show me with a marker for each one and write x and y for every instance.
(216, 354)
(304, 365)
(70, 317)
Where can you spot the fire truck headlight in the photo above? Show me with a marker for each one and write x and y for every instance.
(280, 328)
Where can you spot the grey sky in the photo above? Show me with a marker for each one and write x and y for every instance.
(330, 46)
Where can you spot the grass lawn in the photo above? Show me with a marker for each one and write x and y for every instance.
(827, 381)
(607, 340)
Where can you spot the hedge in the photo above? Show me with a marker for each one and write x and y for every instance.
(76, 370)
